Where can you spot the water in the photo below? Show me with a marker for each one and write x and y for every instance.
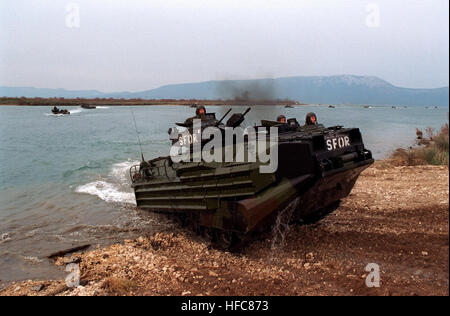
(282, 225)
(64, 179)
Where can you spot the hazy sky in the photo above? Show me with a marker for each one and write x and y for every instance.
(135, 45)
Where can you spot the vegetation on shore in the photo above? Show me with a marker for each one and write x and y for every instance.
(113, 102)
(432, 149)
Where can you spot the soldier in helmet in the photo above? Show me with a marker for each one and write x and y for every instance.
(281, 119)
(311, 119)
(200, 111)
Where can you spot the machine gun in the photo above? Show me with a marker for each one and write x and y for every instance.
(237, 118)
(220, 121)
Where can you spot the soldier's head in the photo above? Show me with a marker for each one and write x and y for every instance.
(200, 110)
(281, 119)
(293, 123)
(311, 119)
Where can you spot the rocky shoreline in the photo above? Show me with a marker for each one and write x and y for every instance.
(396, 217)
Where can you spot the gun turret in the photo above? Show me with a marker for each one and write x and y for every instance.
(237, 118)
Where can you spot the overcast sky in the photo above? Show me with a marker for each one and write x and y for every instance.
(135, 45)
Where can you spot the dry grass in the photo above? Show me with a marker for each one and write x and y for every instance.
(406, 157)
(116, 286)
(432, 150)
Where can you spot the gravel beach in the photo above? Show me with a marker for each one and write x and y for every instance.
(396, 217)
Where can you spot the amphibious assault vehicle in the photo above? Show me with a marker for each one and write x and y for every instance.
(227, 201)
(87, 106)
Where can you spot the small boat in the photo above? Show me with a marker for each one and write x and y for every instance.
(366, 106)
(288, 106)
(331, 106)
(87, 106)
(55, 110)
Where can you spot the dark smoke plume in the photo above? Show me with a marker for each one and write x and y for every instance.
(247, 90)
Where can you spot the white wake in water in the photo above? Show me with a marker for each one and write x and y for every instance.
(51, 114)
(107, 192)
(120, 172)
(76, 111)
(72, 111)
(116, 188)
(282, 223)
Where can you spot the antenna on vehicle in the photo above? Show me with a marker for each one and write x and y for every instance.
(137, 133)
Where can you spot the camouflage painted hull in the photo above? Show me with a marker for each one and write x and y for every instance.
(232, 200)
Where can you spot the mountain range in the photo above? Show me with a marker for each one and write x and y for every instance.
(342, 89)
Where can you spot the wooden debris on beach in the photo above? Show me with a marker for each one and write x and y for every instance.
(62, 253)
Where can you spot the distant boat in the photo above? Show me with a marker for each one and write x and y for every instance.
(87, 106)
(366, 106)
(55, 110)
(331, 106)
(288, 106)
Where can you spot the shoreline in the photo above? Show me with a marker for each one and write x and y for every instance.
(164, 104)
(140, 102)
(405, 208)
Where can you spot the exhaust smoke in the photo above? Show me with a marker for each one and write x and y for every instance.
(247, 90)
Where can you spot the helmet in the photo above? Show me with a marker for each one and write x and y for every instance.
(311, 119)
(281, 118)
(200, 110)
(293, 123)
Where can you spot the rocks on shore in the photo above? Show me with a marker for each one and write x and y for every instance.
(395, 216)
